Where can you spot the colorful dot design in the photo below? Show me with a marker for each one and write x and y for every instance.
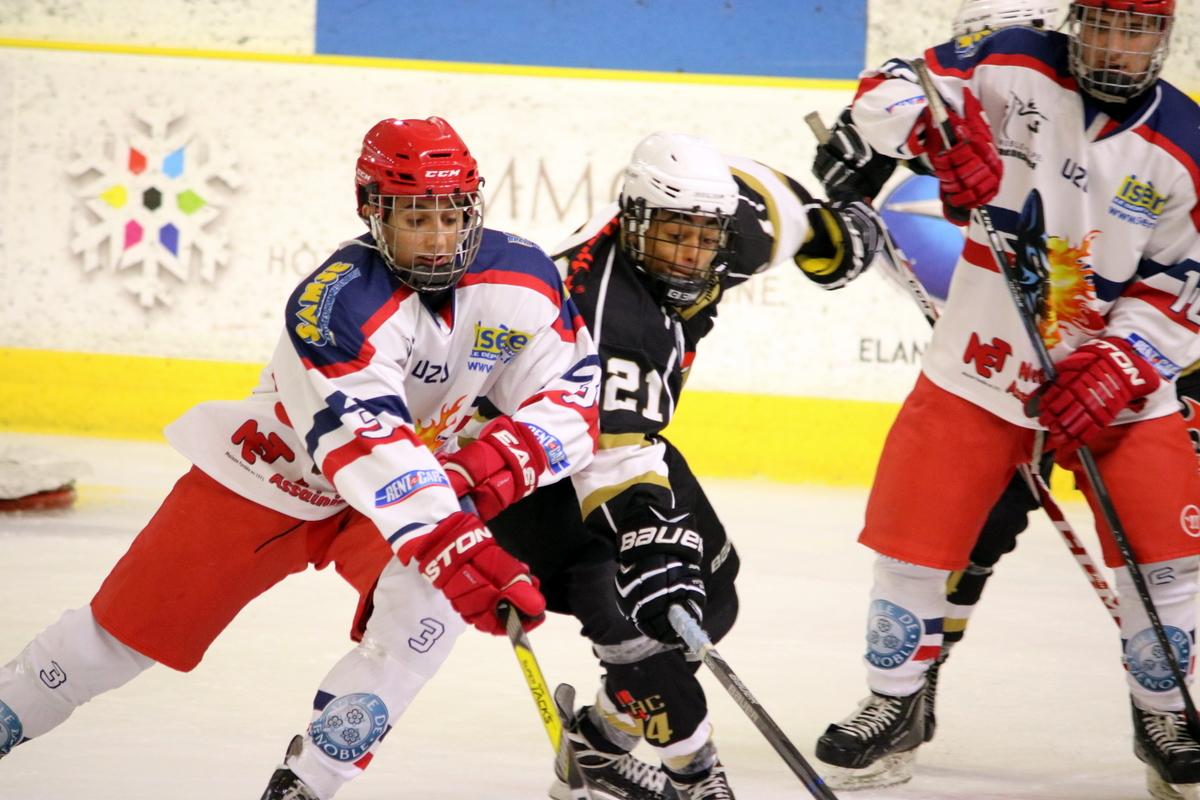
(155, 199)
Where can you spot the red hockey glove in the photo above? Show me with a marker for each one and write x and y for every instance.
(498, 468)
(1093, 385)
(970, 171)
(461, 558)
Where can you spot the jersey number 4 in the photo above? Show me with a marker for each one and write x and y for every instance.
(623, 389)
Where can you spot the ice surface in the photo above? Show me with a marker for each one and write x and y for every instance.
(1032, 704)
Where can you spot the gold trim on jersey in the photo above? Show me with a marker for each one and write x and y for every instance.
(611, 441)
(602, 496)
(768, 200)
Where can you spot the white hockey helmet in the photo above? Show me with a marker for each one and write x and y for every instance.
(686, 180)
(984, 16)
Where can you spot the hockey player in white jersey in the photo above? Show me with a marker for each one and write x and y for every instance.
(850, 169)
(648, 274)
(1084, 119)
(389, 351)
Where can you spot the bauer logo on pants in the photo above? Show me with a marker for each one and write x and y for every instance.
(892, 635)
(349, 725)
(1147, 663)
(10, 729)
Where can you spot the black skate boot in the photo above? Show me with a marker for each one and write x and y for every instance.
(284, 784)
(1163, 742)
(876, 745)
(611, 773)
(712, 784)
(931, 682)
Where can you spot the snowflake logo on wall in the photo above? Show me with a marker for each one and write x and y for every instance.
(146, 201)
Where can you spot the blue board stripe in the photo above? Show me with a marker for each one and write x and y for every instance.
(788, 38)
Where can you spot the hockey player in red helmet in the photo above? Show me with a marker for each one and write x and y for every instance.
(1118, 47)
(418, 190)
(1026, 105)
(367, 427)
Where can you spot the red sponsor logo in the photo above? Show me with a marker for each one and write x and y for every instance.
(1028, 372)
(988, 358)
(1189, 520)
(270, 448)
(301, 491)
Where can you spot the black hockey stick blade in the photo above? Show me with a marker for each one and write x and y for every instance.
(698, 642)
(1032, 267)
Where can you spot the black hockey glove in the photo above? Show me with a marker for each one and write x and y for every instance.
(847, 166)
(659, 567)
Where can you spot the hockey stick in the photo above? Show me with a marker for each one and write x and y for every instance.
(540, 690)
(564, 755)
(900, 269)
(1031, 258)
(698, 642)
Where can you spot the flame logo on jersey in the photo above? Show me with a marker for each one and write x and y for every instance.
(430, 433)
(1069, 309)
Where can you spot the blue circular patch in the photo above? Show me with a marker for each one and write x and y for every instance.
(1147, 663)
(892, 634)
(349, 725)
(10, 729)
(912, 210)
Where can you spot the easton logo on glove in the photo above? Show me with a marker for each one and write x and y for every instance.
(457, 547)
(662, 534)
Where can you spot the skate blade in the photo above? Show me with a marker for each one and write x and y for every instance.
(560, 791)
(1161, 790)
(891, 770)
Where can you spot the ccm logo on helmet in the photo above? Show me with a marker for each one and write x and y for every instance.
(459, 546)
(1124, 362)
(662, 534)
(442, 173)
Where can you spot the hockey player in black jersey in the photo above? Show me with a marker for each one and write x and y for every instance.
(647, 275)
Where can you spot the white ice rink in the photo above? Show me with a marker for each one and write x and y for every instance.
(1032, 705)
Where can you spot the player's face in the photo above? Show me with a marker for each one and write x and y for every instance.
(681, 244)
(1120, 41)
(425, 232)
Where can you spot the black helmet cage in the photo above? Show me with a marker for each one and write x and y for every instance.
(679, 285)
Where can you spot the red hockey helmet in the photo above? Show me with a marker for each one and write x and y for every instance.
(1118, 47)
(417, 186)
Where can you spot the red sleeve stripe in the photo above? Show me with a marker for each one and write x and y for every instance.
(360, 447)
(869, 83)
(590, 415)
(1161, 301)
(1180, 155)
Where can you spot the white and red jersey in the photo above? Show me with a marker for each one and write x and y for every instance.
(1119, 183)
(370, 379)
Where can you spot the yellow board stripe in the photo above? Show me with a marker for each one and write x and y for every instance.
(463, 67)
(794, 439)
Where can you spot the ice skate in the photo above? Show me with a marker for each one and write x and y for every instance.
(284, 784)
(931, 681)
(611, 773)
(877, 745)
(710, 785)
(1171, 754)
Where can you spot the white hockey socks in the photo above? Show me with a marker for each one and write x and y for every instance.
(65, 666)
(904, 628)
(409, 636)
(1172, 586)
